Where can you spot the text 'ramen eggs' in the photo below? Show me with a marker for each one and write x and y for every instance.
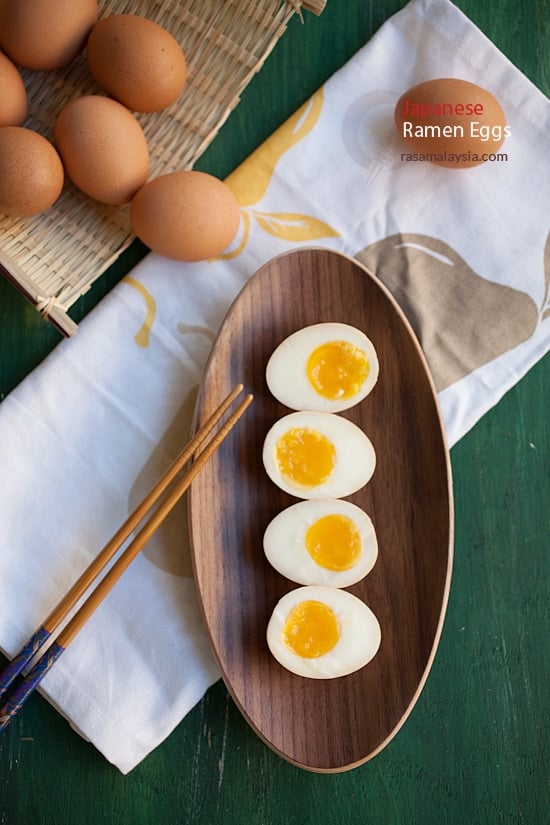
(322, 632)
(318, 455)
(328, 367)
(322, 541)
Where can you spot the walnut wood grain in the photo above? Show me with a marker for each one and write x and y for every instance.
(330, 725)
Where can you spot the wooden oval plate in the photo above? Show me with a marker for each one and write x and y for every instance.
(337, 724)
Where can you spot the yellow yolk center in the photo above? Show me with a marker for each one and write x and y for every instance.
(337, 369)
(311, 629)
(305, 456)
(334, 542)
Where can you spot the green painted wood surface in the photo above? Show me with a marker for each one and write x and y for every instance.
(475, 750)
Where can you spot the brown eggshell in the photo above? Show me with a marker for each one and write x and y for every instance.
(31, 172)
(455, 122)
(103, 148)
(13, 95)
(45, 35)
(136, 61)
(189, 216)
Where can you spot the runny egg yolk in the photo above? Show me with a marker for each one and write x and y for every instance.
(311, 629)
(305, 456)
(337, 369)
(334, 542)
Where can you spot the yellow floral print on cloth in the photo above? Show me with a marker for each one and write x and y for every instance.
(142, 335)
(250, 182)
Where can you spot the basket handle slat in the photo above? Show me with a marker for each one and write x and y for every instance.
(316, 6)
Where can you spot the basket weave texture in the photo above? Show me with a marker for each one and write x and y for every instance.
(53, 258)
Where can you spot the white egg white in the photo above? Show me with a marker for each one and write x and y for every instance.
(359, 640)
(285, 548)
(286, 371)
(355, 455)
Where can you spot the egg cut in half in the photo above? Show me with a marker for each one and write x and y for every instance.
(322, 632)
(328, 367)
(318, 455)
(323, 541)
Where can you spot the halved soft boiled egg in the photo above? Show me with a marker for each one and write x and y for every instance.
(322, 632)
(318, 455)
(322, 541)
(328, 367)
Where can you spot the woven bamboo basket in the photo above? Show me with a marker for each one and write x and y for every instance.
(54, 258)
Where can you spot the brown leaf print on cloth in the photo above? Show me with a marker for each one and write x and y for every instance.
(461, 319)
(168, 548)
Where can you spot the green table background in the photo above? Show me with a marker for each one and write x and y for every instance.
(475, 749)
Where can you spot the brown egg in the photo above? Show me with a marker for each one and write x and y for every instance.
(14, 105)
(450, 122)
(44, 35)
(103, 148)
(136, 61)
(189, 216)
(31, 172)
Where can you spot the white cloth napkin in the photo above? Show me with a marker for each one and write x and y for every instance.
(87, 433)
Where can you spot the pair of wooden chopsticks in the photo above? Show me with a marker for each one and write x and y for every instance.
(32, 648)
